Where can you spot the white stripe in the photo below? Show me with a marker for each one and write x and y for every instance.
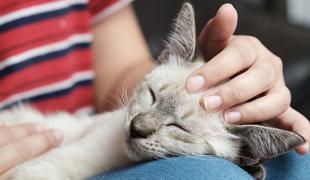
(66, 84)
(110, 10)
(74, 39)
(84, 111)
(33, 10)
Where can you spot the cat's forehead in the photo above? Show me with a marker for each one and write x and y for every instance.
(170, 73)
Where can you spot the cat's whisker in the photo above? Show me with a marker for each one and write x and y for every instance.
(118, 97)
(109, 101)
(161, 157)
(245, 157)
(197, 157)
(125, 95)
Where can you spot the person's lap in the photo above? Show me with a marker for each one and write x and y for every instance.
(289, 166)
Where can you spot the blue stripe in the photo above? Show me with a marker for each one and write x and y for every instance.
(38, 59)
(62, 92)
(42, 16)
(59, 93)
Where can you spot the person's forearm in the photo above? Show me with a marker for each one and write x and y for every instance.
(121, 58)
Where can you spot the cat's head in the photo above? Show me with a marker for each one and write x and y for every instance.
(164, 119)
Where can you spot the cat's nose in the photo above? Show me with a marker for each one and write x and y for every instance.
(140, 128)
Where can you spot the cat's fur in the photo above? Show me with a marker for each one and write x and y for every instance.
(162, 119)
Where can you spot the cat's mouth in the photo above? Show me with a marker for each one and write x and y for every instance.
(144, 149)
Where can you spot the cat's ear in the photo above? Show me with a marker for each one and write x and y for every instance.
(260, 142)
(181, 41)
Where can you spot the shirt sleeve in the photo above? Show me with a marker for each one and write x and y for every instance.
(100, 9)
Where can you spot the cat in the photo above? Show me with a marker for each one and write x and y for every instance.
(161, 119)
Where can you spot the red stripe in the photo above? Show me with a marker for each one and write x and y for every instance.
(78, 98)
(7, 6)
(97, 6)
(45, 73)
(42, 33)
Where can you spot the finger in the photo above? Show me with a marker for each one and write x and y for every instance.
(240, 54)
(10, 133)
(217, 32)
(256, 80)
(293, 120)
(6, 175)
(27, 148)
(264, 108)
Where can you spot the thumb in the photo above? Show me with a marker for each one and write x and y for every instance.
(218, 31)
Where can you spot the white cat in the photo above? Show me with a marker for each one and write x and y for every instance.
(162, 119)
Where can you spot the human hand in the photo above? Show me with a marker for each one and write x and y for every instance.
(19, 143)
(254, 89)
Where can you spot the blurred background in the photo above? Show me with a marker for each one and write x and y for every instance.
(282, 25)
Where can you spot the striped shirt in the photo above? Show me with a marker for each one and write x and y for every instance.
(45, 57)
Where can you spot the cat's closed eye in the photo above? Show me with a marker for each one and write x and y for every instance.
(152, 95)
(177, 126)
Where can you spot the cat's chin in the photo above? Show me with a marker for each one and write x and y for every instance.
(130, 152)
(136, 151)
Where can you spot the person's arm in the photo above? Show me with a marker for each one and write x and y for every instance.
(121, 58)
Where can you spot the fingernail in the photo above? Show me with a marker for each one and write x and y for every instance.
(210, 21)
(305, 147)
(224, 6)
(40, 128)
(212, 102)
(232, 117)
(195, 83)
(58, 135)
(219, 10)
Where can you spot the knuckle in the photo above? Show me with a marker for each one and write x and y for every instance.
(288, 95)
(246, 47)
(266, 76)
(252, 39)
(215, 70)
(254, 113)
(285, 101)
(302, 129)
(278, 62)
(31, 128)
(232, 93)
(49, 139)
(33, 145)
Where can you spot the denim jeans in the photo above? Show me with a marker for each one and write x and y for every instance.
(286, 167)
